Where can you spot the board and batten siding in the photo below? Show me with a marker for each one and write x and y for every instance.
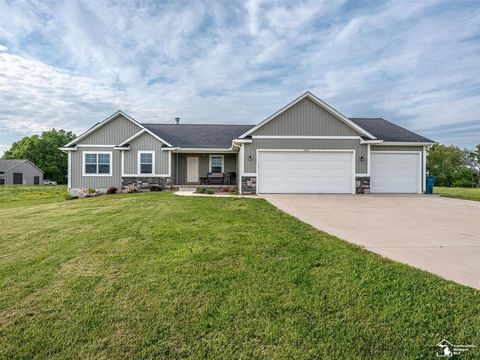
(96, 182)
(112, 133)
(306, 119)
(250, 166)
(179, 165)
(146, 142)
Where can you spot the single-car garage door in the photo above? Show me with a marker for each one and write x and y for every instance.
(395, 172)
(306, 172)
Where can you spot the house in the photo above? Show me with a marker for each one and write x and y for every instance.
(19, 172)
(305, 147)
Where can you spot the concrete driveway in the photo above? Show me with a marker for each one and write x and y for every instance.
(435, 234)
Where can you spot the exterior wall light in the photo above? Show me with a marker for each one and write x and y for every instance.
(249, 157)
(362, 158)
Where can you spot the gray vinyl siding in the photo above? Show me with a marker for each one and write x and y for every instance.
(146, 142)
(28, 172)
(308, 119)
(395, 148)
(251, 150)
(113, 133)
(179, 165)
(96, 182)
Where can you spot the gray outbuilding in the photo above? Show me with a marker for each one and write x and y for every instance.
(19, 172)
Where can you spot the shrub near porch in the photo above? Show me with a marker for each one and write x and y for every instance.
(153, 275)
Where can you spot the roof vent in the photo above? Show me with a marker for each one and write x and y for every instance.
(177, 120)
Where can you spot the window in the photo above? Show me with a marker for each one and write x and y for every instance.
(146, 160)
(97, 163)
(216, 163)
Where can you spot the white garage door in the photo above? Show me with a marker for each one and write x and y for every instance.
(395, 173)
(305, 172)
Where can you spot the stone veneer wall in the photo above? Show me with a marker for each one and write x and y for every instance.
(146, 181)
(362, 185)
(249, 185)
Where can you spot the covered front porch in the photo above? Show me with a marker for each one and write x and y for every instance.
(207, 168)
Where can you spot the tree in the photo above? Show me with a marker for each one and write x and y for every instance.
(442, 161)
(43, 151)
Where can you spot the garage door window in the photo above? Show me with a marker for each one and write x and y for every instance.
(97, 163)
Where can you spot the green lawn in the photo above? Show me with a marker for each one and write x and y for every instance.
(156, 275)
(459, 193)
(19, 195)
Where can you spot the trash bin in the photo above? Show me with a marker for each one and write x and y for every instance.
(430, 182)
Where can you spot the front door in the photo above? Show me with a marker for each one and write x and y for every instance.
(192, 169)
(36, 180)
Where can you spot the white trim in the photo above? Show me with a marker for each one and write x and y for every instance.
(144, 130)
(66, 149)
(406, 143)
(102, 123)
(69, 172)
(201, 150)
(362, 141)
(424, 168)
(319, 102)
(397, 152)
(97, 152)
(419, 153)
(121, 148)
(306, 137)
(139, 153)
(308, 150)
(94, 145)
(210, 161)
(242, 141)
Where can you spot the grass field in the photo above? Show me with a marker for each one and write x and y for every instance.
(156, 275)
(459, 193)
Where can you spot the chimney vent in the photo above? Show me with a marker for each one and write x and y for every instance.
(177, 120)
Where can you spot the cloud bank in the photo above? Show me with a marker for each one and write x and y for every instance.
(69, 64)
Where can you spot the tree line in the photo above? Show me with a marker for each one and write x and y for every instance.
(451, 165)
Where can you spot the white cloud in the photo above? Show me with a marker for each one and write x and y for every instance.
(71, 65)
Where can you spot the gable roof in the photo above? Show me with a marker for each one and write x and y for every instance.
(143, 131)
(198, 135)
(102, 123)
(320, 103)
(388, 131)
(8, 164)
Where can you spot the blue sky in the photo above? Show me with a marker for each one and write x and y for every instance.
(69, 64)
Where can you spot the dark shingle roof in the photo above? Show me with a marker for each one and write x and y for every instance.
(385, 130)
(198, 135)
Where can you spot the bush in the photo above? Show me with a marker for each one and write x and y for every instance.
(131, 188)
(201, 190)
(210, 191)
(156, 187)
(112, 190)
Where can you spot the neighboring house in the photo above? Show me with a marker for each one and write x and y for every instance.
(19, 172)
(305, 147)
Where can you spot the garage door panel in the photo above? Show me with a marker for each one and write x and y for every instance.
(305, 172)
(395, 172)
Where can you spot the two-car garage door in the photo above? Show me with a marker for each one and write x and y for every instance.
(334, 172)
(306, 172)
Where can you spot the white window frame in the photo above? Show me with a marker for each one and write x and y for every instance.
(84, 156)
(210, 162)
(139, 165)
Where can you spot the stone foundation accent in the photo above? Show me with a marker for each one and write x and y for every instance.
(146, 182)
(362, 185)
(249, 185)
